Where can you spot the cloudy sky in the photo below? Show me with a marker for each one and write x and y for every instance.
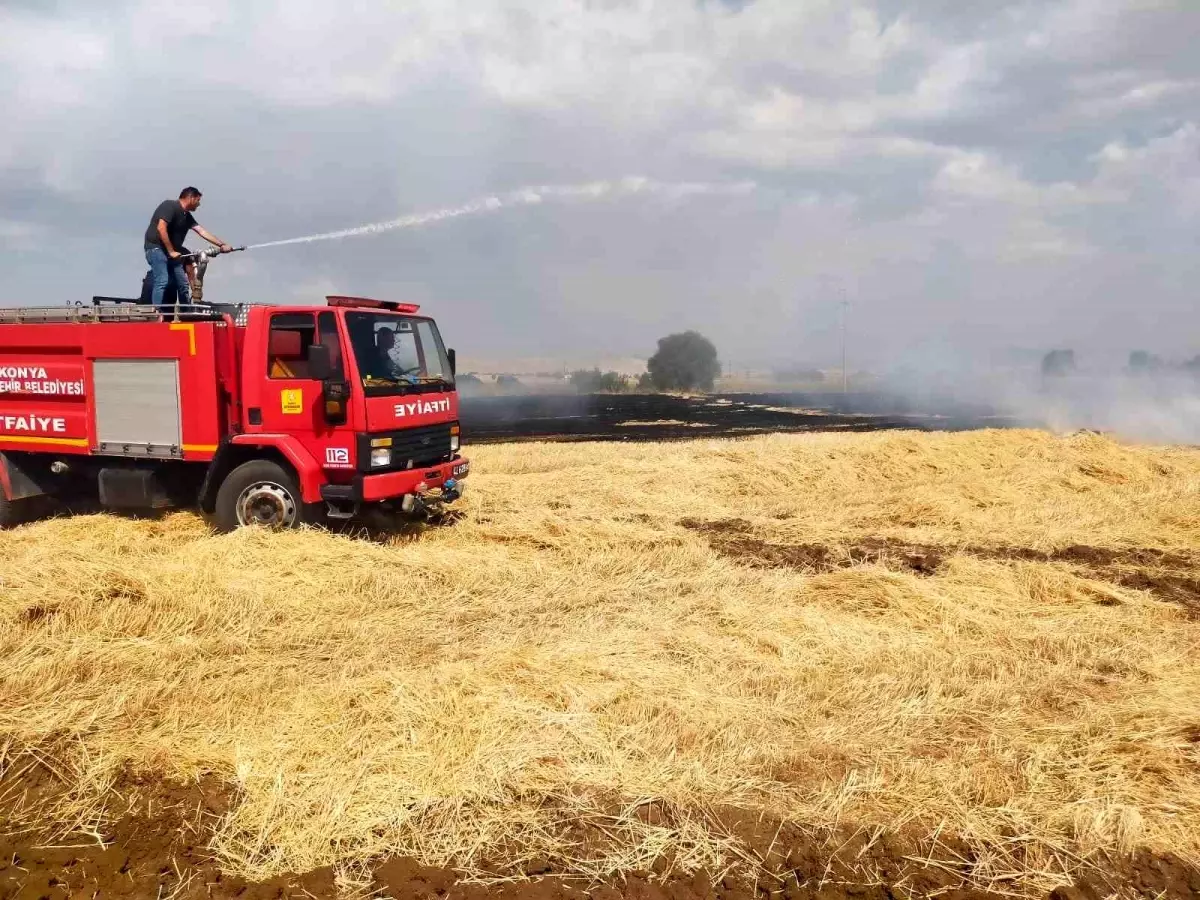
(970, 176)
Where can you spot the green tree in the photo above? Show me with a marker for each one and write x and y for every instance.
(591, 381)
(1058, 362)
(613, 382)
(684, 362)
(586, 381)
(1140, 362)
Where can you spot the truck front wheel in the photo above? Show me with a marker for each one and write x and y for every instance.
(259, 492)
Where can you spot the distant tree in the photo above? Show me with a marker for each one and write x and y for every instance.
(1058, 362)
(469, 383)
(1141, 362)
(586, 381)
(591, 381)
(613, 382)
(645, 381)
(798, 376)
(510, 382)
(684, 362)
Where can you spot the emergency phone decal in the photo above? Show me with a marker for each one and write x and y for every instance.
(337, 457)
(292, 402)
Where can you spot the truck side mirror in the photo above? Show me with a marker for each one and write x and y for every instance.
(334, 396)
(320, 365)
(335, 393)
(453, 361)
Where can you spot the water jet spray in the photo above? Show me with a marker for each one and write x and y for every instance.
(528, 196)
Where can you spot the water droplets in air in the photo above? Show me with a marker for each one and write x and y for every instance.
(530, 196)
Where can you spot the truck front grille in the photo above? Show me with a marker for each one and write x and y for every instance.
(412, 448)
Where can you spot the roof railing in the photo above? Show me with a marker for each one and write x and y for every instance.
(117, 309)
(125, 309)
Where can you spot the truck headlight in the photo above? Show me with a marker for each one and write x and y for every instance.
(381, 456)
(454, 443)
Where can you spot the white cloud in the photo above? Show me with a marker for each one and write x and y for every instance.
(1164, 170)
(949, 83)
(980, 177)
(49, 70)
(53, 63)
(14, 233)
(991, 169)
(1141, 96)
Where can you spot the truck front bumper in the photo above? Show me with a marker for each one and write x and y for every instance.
(445, 477)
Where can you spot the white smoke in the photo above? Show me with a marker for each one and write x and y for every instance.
(1155, 406)
(530, 196)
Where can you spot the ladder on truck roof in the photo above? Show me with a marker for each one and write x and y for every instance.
(118, 309)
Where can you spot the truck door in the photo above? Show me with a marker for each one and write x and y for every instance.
(293, 404)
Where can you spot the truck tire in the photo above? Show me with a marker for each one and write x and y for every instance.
(259, 492)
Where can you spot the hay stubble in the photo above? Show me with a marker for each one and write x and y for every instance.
(569, 650)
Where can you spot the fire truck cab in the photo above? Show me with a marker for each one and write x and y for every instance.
(258, 414)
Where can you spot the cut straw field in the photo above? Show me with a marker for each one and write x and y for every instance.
(984, 635)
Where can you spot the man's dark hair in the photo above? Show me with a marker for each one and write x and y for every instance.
(189, 192)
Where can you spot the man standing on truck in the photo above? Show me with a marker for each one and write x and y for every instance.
(168, 228)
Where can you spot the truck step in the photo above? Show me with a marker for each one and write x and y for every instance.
(339, 501)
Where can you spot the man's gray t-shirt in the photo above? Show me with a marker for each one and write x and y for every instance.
(179, 222)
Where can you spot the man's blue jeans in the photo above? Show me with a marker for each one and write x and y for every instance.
(163, 269)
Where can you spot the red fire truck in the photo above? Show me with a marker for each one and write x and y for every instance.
(258, 414)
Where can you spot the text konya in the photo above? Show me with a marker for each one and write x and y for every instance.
(422, 407)
(35, 380)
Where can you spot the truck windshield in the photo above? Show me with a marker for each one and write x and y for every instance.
(395, 353)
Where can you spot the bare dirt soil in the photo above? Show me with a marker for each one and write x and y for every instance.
(659, 417)
(1167, 576)
(153, 843)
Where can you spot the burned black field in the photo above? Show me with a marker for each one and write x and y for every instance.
(659, 417)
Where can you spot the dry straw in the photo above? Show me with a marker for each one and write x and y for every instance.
(569, 650)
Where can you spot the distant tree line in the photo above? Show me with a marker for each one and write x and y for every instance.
(686, 361)
(798, 376)
(1141, 362)
(593, 381)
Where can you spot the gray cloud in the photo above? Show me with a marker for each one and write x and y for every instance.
(970, 176)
